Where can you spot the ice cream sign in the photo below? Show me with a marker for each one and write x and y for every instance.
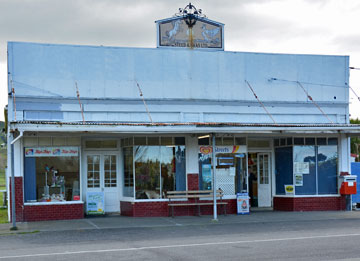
(52, 152)
(222, 149)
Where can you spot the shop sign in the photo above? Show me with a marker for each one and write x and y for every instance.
(203, 34)
(95, 203)
(52, 152)
(221, 149)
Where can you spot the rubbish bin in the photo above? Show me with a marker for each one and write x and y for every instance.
(242, 200)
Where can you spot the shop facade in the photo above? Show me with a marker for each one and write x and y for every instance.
(135, 123)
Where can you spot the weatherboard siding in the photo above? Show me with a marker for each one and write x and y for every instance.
(178, 85)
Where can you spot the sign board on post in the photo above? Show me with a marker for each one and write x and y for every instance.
(242, 202)
(95, 203)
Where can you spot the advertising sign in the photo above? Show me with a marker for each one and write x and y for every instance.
(95, 203)
(242, 200)
(289, 189)
(203, 34)
(223, 149)
(52, 152)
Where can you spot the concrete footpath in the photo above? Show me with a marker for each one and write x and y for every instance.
(122, 222)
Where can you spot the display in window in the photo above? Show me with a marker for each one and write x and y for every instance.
(51, 174)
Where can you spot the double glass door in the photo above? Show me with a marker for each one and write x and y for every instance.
(102, 176)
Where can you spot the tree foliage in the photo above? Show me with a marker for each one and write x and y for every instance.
(355, 141)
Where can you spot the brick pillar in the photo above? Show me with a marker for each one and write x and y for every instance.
(193, 181)
(19, 198)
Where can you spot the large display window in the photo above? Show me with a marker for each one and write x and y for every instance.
(51, 174)
(151, 171)
(309, 167)
(231, 174)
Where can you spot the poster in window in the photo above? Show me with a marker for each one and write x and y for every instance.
(298, 179)
(301, 167)
(289, 189)
(206, 172)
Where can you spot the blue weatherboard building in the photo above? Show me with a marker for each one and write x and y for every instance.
(135, 123)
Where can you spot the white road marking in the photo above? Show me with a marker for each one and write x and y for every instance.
(91, 223)
(179, 246)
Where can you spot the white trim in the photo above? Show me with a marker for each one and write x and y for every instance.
(308, 196)
(53, 203)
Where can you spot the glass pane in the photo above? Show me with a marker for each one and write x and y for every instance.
(305, 170)
(140, 140)
(332, 141)
(205, 171)
(228, 141)
(93, 171)
(167, 141)
(179, 140)
(147, 172)
(107, 144)
(309, 141)
(93, 144)
(283, 168)
(298, 141)
(321, 141)
(51, 179)
(128, 182)
(153, 141)
(327, 169)
(203, 141)
(240, 141)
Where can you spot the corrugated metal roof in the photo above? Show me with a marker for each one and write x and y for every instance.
(197, 124)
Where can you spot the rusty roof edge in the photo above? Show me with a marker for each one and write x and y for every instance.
(197, 124)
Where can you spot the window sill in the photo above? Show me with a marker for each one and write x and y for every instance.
(52, 203)
(308, 196)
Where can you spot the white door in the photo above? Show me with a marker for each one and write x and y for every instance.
(264, 186)
(102, 175)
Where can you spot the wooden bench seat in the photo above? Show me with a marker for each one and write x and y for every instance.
(195, 196)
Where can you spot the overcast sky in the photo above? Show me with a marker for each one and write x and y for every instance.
(280, 26)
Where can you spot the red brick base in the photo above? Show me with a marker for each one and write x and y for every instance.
(309, 203)
(53, 212)
(43, 212)
(161, 209)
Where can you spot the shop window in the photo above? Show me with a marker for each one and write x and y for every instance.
(51, 174)
(231, 174)
(158, 169)
(311, 170)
